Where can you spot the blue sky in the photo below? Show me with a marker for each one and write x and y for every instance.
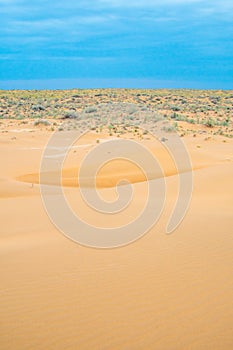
(122, 43)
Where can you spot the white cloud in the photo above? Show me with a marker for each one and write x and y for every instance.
(57, 24)
(147, 3)
(7, 2)
(80, 17)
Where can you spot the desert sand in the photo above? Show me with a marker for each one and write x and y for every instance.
(163, 292)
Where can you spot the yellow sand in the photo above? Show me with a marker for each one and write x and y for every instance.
(161, 292)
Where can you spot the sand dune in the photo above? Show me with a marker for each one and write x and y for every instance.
(111, 173)
(161, 292)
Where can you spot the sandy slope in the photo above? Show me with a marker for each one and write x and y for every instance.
(161, 292)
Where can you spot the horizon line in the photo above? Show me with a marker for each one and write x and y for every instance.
(111, 83)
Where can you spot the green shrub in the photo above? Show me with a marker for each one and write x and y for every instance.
(210, 123)
(41, 122)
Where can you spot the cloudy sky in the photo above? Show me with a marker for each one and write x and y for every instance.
(136, 43)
